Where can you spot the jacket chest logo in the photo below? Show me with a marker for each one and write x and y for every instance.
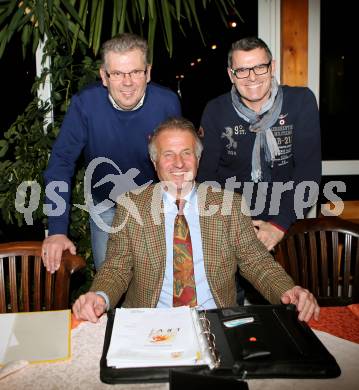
(231, 145)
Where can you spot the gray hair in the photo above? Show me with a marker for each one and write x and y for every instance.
(175, 124)
(125, 42)
(248, 44)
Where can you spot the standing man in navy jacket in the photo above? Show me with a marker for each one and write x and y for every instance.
(266, 137)
(110, 122)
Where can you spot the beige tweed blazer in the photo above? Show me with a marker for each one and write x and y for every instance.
(136, 253)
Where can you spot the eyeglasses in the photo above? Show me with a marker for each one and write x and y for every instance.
(243, 73)
(136, 74)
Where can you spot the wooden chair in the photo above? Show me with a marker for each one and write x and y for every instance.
(322, 254)
(25, 285)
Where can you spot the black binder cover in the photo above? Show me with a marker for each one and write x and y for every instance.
(262, 342)
(180, 380)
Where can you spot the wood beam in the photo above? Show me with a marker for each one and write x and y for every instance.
(294, 38)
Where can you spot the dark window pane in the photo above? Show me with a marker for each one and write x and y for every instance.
(337, 127)
(16, 77)
(338, 100)
(204, 70)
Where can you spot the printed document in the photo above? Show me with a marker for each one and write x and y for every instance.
(155, 337)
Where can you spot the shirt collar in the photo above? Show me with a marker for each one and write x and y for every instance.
(169, 201)
(137, 106)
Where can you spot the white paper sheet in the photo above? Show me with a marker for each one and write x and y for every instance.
(154, 337)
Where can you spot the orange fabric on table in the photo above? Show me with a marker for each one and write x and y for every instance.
(74, 322)
(355, 309)
(340, 321)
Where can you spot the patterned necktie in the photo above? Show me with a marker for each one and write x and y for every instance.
(184, 286)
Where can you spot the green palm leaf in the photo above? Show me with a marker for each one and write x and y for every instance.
(71, 19)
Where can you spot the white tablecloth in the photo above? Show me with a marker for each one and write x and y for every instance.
(83, 370)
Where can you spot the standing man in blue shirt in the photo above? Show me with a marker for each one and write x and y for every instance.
(111, 123)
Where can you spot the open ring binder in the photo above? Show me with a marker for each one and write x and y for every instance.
(261, 342)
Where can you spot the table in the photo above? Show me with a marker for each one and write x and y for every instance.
(350, 211)
(82, 371)
(340, 321)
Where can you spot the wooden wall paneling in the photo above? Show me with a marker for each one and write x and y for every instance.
(294, 37)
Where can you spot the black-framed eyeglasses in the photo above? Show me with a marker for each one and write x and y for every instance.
(134, 74)
(243, 73)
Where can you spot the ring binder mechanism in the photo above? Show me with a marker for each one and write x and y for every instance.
(215, 359)
(207, 340)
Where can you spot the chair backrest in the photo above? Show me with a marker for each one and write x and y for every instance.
(322, 254)
(25, 285)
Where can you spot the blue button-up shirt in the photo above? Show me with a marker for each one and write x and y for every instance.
(204, 296)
